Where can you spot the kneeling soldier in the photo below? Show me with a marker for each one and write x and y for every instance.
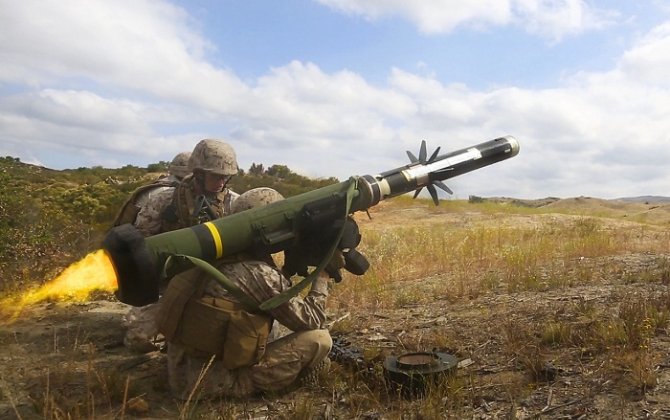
(210, 330)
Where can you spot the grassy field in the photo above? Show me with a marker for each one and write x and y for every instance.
(557, 311)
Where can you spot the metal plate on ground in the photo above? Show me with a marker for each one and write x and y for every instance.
(410, 373)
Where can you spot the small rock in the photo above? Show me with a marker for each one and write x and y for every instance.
(137, 405)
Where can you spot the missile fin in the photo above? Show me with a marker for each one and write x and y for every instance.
(443, 186)
(433, 194)
(411, 156)
(434, 155)
(422, 152)
(416, 193)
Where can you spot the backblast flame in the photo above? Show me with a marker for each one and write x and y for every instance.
(94, 272)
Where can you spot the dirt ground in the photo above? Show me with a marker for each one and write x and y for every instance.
(68, 360)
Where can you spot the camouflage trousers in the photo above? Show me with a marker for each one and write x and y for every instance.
(141, 329)
(284, 360)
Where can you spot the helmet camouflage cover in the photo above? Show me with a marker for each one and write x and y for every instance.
(179, 165)
(256, 197)
(213, 156)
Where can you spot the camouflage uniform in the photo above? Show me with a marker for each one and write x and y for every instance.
(284, 360)
(149, 219)
(143, 195)
(139, 199)
(169, 208)
(142, 331)
(181, 211)
(162, 184)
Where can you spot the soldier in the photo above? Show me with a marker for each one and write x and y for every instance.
(200, 197)
(212, 328)
(177, 170)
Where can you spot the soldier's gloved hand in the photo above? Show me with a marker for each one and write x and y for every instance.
(354, 261)
(351, 235)
(294, 262)
(336, 263)
(311, 252)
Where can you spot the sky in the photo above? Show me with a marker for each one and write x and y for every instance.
(346, 87)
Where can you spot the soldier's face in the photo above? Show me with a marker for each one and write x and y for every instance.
(214, 183)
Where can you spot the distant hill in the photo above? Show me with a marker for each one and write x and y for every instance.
(647, 199)
(542, 202)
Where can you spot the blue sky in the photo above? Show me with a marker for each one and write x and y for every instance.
(344, 87)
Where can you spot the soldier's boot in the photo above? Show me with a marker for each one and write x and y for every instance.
(310, 377)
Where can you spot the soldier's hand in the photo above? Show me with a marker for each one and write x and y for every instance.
(336, 263)
(312, 250)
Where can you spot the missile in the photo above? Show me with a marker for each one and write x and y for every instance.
(139, 262)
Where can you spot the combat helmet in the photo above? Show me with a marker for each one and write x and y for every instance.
(213, 156)
(179, 165)
(256, 197)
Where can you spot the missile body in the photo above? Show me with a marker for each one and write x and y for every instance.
(418, 175)
(139, 262)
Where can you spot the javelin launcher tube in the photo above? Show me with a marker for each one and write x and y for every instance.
(139, 261)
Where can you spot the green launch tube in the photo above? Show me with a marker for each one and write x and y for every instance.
(139, 261)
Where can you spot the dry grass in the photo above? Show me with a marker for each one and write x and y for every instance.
(528, 252)
(523, 255)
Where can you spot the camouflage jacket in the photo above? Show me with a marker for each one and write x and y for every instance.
(140, 197)
(172, 208)
(261, 281)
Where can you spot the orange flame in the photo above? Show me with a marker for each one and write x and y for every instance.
(93, 272)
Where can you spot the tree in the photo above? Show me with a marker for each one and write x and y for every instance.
(256, 169)
(161, 166)
(279, 171)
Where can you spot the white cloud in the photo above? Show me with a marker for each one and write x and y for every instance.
(553, 19)
(302, 96)
(83, 123)
(430, 16)
(649, 62)
(149, 47)
(79, 109)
